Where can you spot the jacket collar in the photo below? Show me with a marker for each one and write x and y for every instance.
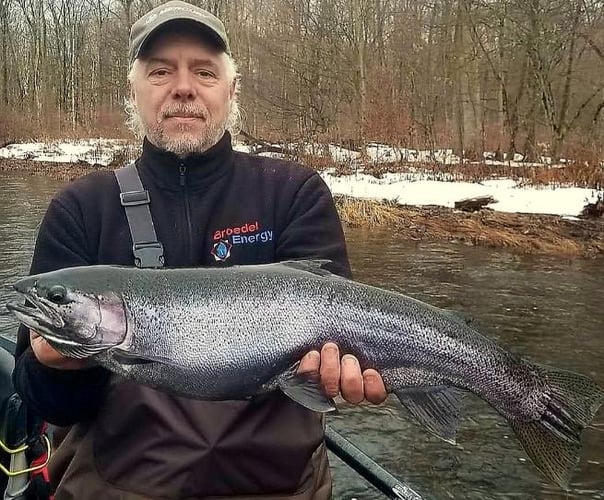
(199, 170)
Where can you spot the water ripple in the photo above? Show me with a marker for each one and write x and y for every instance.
(543, 308)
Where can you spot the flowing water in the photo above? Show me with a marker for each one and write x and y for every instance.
(546, 309)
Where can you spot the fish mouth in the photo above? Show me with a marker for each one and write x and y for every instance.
(41, 316)
(45, 321)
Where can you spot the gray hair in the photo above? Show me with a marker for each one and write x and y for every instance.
(233, 124)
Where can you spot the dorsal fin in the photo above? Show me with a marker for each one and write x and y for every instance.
(459, 317)
(314, 266)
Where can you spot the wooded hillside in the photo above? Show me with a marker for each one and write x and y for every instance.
(501, 75)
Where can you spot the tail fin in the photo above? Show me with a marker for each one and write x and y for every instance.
(554, 442)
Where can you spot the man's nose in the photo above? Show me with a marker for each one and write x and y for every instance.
(184, 87)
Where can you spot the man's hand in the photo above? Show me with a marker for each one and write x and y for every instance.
(52, 358)
(344, 376)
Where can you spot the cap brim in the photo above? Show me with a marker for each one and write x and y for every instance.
(178, 25)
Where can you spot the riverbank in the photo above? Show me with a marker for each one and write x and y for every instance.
(54, 170)
(517, 232)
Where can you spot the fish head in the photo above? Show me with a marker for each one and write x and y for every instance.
(76, 313)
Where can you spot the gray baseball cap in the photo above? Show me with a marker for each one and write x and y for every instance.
(168, 12)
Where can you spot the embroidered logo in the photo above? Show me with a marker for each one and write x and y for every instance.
(222, 250)
(249, 233)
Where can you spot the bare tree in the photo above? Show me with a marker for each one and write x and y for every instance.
(511, 75)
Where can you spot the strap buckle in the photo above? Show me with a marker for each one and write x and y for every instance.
(148, 254)
(135, 198)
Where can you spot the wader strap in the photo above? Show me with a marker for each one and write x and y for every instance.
(148, 252)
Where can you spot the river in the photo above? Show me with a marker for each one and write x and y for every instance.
(546, 309)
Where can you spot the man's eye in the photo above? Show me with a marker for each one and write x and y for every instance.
(204, 73)
(159, 72)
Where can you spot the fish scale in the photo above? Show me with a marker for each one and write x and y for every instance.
(235, 332)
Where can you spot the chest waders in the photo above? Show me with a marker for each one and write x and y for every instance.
(149, 252)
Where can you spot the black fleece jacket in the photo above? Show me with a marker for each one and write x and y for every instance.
(218, 208)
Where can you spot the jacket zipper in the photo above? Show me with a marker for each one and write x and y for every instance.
(183, 183)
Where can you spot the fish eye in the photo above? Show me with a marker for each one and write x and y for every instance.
(57, 294)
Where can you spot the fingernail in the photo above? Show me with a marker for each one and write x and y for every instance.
(370, 379)
(312, 354)
(331, 348)
(349, 360)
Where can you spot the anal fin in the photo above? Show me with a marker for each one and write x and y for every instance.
(436, 408)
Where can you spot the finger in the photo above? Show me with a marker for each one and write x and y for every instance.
(330, 369)
(49, 356)
(41, 347)
(45, 353)
(351, 380)
(310, 363)
(375, 390)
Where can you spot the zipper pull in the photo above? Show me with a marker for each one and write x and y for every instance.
(183, 173)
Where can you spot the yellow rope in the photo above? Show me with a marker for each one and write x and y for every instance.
(10, 473)
(10, 451)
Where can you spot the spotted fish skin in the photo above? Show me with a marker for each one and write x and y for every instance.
(232, 333)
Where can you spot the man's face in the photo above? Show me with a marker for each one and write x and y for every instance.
(182, 93)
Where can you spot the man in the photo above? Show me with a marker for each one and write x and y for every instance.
(132, 442)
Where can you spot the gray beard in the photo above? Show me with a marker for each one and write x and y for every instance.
(186, 143)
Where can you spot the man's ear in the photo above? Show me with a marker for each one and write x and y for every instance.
(233, 89)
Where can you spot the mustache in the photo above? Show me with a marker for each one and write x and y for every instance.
(187, 111)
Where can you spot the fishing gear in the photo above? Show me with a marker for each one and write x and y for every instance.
(374, 473)
(25, 448)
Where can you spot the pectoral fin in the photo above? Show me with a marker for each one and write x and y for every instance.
(436, 408)
(306, 390)
(129, 359)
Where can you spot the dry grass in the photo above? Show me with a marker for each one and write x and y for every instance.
(522, 233)
(357, 212)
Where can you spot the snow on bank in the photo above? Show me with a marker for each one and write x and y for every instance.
(404, 188)
(100, 151)
(414, 189)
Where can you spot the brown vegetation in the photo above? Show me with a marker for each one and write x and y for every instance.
(575, 173)
(358, 212)
(536, 234)
(504, 75)
(523, 233)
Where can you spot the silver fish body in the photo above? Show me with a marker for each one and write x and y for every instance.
(234, 330)
(230, 333)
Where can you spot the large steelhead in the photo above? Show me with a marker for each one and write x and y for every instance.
(231, 333)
